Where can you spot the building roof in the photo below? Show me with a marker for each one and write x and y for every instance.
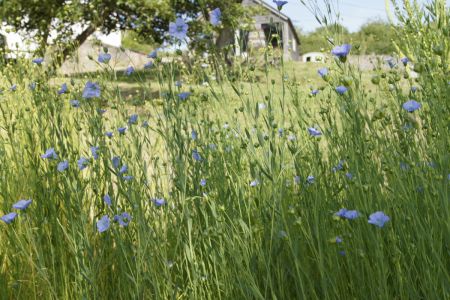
(314, 53)
(279, 14)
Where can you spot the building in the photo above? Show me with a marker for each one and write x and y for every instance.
(314, 57)
(269, 27)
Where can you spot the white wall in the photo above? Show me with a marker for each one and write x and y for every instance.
(23, 46)
(113, 39)
(314, 57)
(18, 43)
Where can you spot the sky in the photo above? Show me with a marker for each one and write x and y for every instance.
(354, 13)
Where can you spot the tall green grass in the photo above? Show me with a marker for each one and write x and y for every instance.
(259, 228)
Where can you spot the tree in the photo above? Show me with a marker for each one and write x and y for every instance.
(322, 37)
(375, 37)
(149, 18)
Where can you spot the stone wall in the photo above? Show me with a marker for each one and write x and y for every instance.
(120, 60)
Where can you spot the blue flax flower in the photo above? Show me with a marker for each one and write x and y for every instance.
(62, 166)
(8, 218)
(159, 202)
(280, 132)
(153, 54)
(203, 182)
(179, 29)
(82, 163)
(127, 177)
(338, 240)
(94, 152)
(121, 130)
(314, 132)
(391, 62)
(339, 166)
(215, 17)
(196, 156)
(145, 124)
(38, 61)
(323, 72)
(280, 4)
(116, 162)
(133, 119)
(129, 71)
(194, 135)
(341, 51)
(22, 204)
(310, 179)
(107, 200)
(63, 89)
(347, 214)
(49, 154)
(254, 183)
(349, 175)
(341, 90)
(314, 92)
(32, 86)
(103, 224)
(411, 106)
(123, 219)
(378, 219)
(183, 96)
(405, 61)
(91, 90)
(104, 58)
(74, 103)
(109, 134)
(123, 169)
(148, 65)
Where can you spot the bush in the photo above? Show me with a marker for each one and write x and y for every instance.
(231, 189)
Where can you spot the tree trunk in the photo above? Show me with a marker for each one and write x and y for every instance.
(72, 47)
(225, 42)
(44, 34)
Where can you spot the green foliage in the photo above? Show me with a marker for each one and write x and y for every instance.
(374, 37)
(132, 41)
(149, 19)
(259, 227)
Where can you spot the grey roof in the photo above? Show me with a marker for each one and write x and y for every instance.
(280, 15)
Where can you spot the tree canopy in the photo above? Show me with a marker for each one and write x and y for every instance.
(374, 37)
(149, 18)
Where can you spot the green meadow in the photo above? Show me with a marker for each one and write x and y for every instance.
(193, 181)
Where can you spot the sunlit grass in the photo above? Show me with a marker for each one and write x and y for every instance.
(230, 196)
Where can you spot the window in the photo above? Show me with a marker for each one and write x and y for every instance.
(273, 34)
(243, 39)
(2, 42)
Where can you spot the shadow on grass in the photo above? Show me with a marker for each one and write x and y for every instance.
(143, 75)
(135, 88)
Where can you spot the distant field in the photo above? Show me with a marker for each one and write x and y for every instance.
(186, 181)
